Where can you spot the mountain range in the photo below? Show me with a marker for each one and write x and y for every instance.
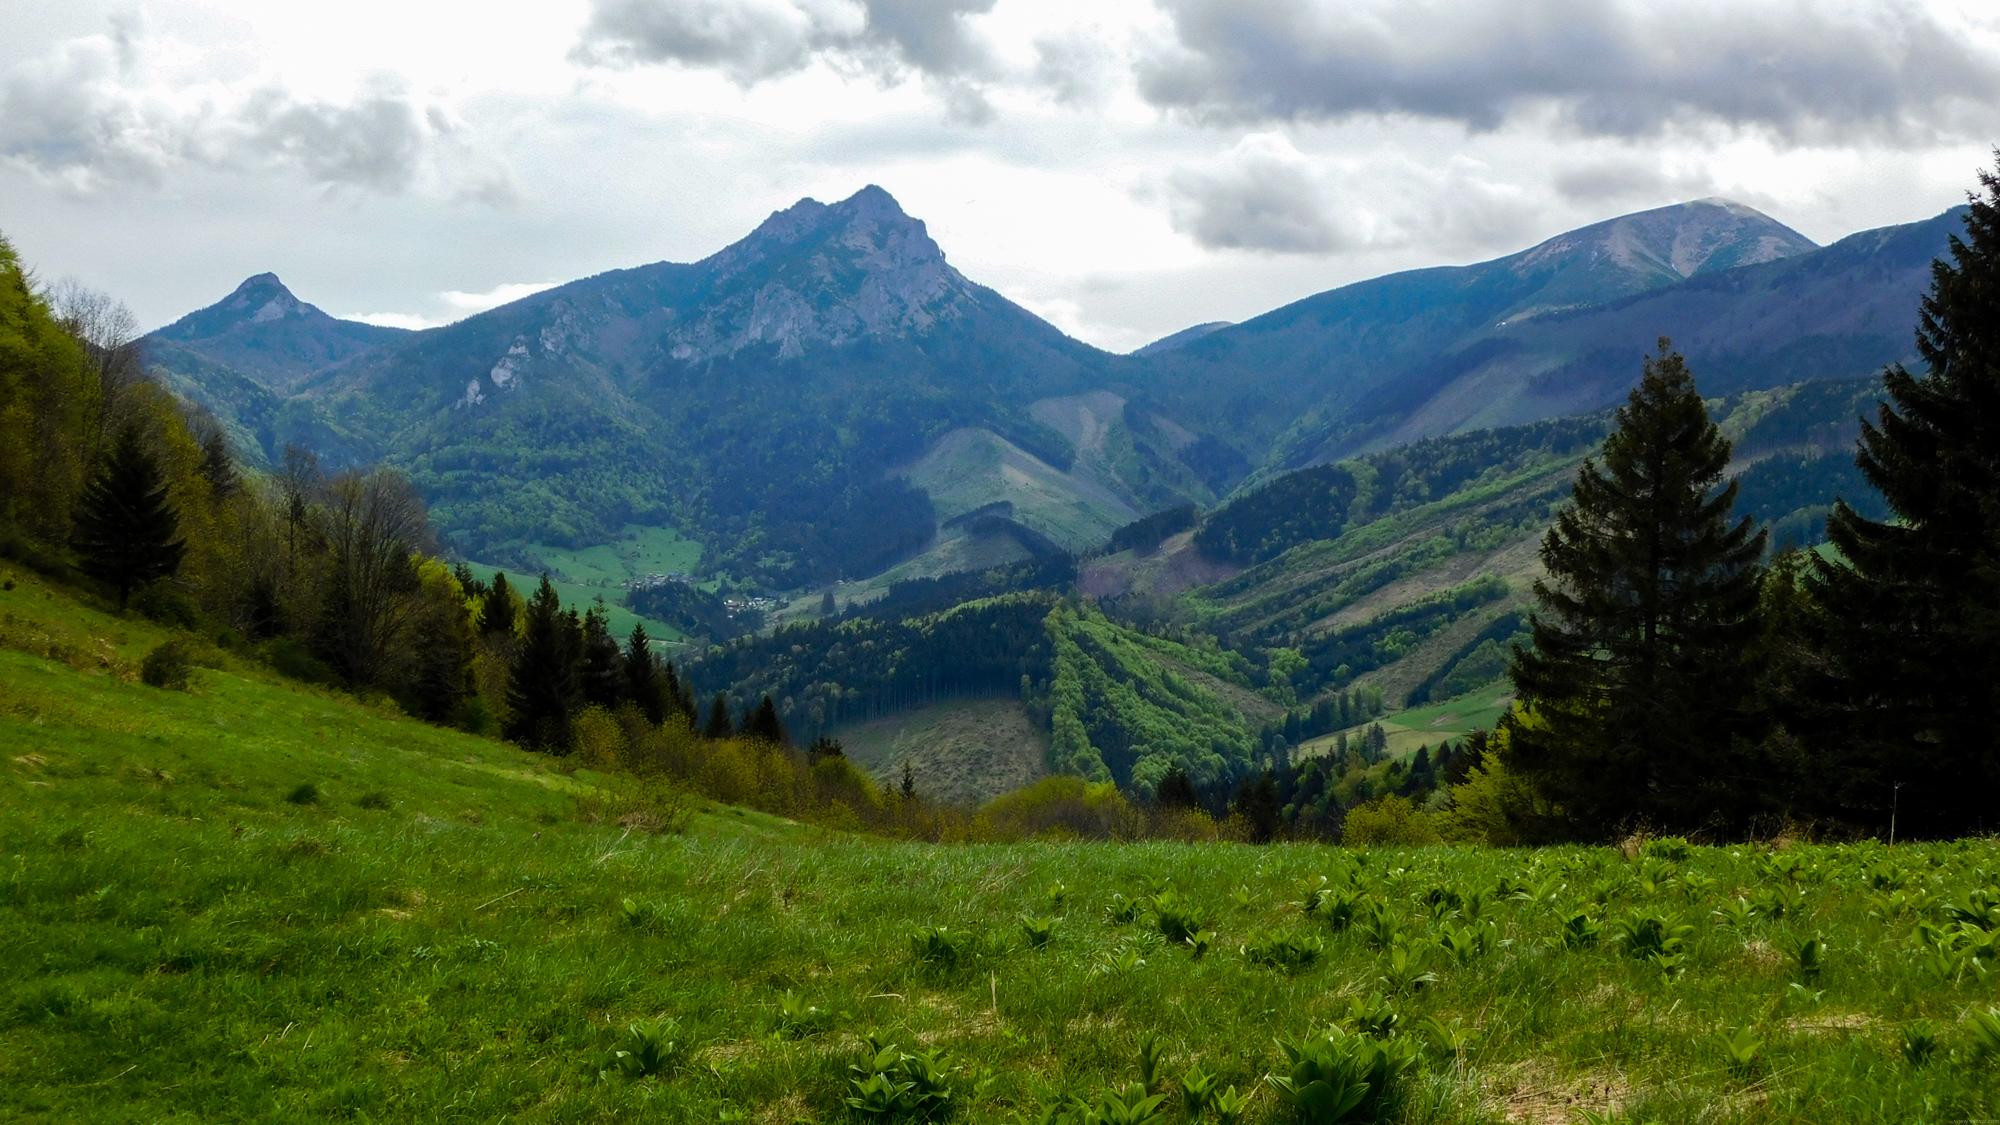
(829, 398)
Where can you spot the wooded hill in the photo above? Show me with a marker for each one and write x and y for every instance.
(895, 407)
(1405, 572)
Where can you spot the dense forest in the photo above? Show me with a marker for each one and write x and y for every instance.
(1319, 503)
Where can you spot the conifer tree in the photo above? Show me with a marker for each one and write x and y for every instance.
(496, 609)
(1908, 629)
(1637, 673)
(1176, 790)
(764, 723)
(600, 667)
(542, 684)
(719, 725)
(127, 532)
(218, 465)
(644, 683)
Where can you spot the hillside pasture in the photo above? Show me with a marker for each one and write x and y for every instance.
(252, 901)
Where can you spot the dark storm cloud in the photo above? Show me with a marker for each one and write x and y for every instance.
(1608, 67)
(754, 40)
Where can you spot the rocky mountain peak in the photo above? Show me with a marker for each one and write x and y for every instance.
(264, 298)
(825, 274)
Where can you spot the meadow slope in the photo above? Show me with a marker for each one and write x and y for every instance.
(256, 902)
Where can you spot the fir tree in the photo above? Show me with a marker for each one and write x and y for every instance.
(218, 466)
(645, 685)
(127, 532)
(1176, 790)
(1906, 642)
(719, 725)
(542, 684)
(909, 787)
(1637, 675)
(496, 608)
(764, 723)
(827, 608)
(1257, 802)
(601, 667)
(823, 748)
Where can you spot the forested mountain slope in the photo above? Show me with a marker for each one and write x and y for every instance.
(828, 398)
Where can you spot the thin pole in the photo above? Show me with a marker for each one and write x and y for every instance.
(1895, 799)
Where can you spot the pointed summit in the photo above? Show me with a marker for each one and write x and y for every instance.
(265, 332)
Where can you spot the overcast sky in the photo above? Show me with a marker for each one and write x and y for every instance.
(1125, 168)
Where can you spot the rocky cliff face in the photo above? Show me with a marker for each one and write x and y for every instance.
(819, 275)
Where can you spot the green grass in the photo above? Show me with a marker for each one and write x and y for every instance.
(451, 930)
(583, 575)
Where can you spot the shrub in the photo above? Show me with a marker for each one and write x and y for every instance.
(1389, 822)
(290, 659)
(161, 602)
(1065, 805)
(374, 799)
(306, 793)
(598, 740)
(169, 666)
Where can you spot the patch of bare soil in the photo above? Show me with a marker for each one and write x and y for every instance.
(964, 752)
(1173, 567)
(1533, 1093)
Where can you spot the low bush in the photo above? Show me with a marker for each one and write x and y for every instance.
(1389, 822)
(170, 666)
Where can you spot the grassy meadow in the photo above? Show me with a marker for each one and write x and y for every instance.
(255, 901)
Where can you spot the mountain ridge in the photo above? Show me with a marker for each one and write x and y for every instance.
(772, 398)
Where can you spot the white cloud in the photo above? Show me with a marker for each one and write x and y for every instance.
(467, 304)
(1138, 166)
(454, 305)
(85, 116)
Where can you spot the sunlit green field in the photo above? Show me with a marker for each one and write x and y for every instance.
(250, 902)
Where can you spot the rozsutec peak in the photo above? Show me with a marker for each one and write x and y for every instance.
(265, 332)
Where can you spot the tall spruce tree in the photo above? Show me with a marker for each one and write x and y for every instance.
(1637, 679)
(763, 723)
(496, 608)
(601, 666)
(1906, 639)
(719, 725)
(542, 688)
(645, 685)
(126, 530)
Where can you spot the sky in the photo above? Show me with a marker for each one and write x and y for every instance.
(1125, 168)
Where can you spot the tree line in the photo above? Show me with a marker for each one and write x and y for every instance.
(1676, 681)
